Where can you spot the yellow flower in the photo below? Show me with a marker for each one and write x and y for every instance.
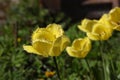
(114, 16)
(102, 30)
(41, 79)
(86, 25)
(105, 20)
(49, 73)
(19, 39)
(80, 48)
(99, 32)
(49, 41)
(97, 29)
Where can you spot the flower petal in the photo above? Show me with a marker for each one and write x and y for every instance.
(72, 52)
(64, 43)
(93, 36)
(42, 47)
(55, 50)
(103, 32)
(78, 54)
(117, 28)
(87, 25)
(105, 20)
(43, 34)
(59, 45)
(100, 31)
(79, 44)
(55, 29)
(30, 49)
(115, 14)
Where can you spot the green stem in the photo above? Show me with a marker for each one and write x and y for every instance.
(105, 63)
(56, 65)
(112, 65)
(111, 61)
(88, 65)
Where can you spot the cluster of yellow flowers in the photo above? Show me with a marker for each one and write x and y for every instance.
(51, 41)
(95, 30)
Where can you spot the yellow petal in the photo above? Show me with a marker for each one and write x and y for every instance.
(55, 29)
(74, 53)
(42, 47)
(87, 25)
(59, 45)
(118, 28)
(115, 14)
(100, 31)
(79, 44)
(30, 49)
(104, 32)
(93, 36)
(64, 42)
(55, 50)
(105, 20)
(99, 28)
(43, 34)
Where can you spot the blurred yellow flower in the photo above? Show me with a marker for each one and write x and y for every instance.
(87, 25)
(102, 30)
(19, 39)
(41, 79)
(105, 20)
(49, 41)
(97, 29)
(49, 73)
(114, 16)
(80, 47)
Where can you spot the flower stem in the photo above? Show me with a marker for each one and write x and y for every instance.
(90, 71)
(105, 63)
(56, 65)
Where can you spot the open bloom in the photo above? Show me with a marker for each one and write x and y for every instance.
(98, 29)
(80, 47)
(102, 30)
(114, 16)
(49, 41)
